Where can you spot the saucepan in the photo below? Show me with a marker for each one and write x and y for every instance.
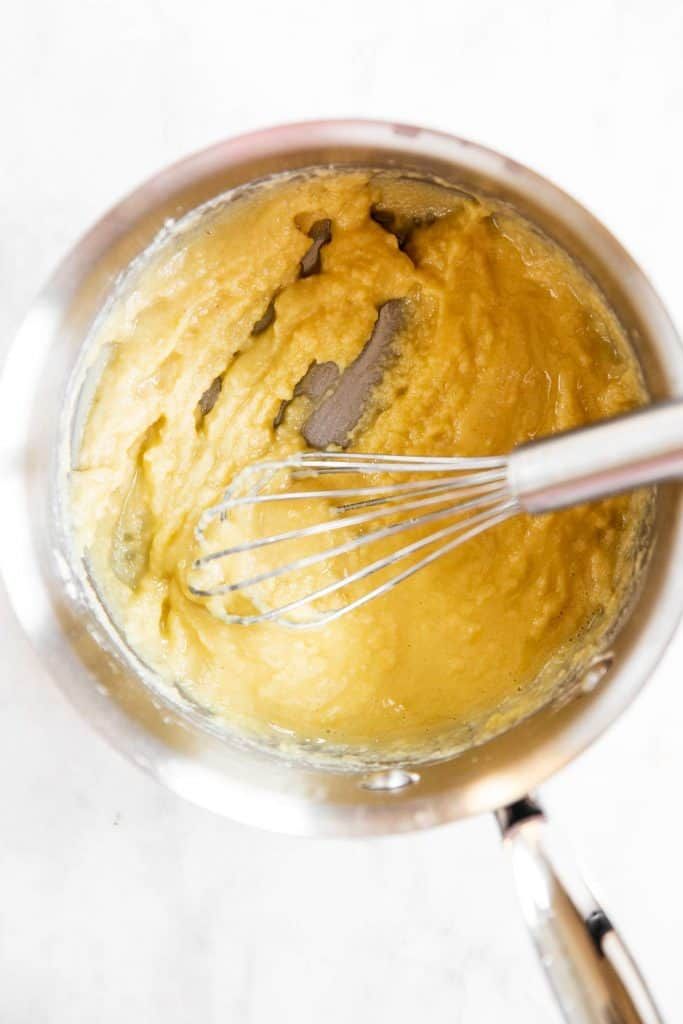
(588, 966)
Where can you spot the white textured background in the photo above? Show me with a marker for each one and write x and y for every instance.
(119, 902)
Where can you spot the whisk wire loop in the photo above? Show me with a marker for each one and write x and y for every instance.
(471, 491)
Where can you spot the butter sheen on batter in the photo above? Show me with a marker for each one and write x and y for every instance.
(504, 340)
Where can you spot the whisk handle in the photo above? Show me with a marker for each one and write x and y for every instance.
(634, 450)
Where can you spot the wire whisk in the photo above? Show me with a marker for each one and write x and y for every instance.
(467, 496)
(304, 540)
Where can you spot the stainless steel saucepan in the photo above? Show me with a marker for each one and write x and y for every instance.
(589, 968)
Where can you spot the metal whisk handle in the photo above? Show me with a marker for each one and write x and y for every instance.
(634, 450)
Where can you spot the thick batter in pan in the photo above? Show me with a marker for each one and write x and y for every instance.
(465, 332)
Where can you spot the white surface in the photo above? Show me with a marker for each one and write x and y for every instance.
(121, 903)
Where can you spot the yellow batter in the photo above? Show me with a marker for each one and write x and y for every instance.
(503, 340)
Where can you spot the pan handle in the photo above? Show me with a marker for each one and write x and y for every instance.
(589, 968)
